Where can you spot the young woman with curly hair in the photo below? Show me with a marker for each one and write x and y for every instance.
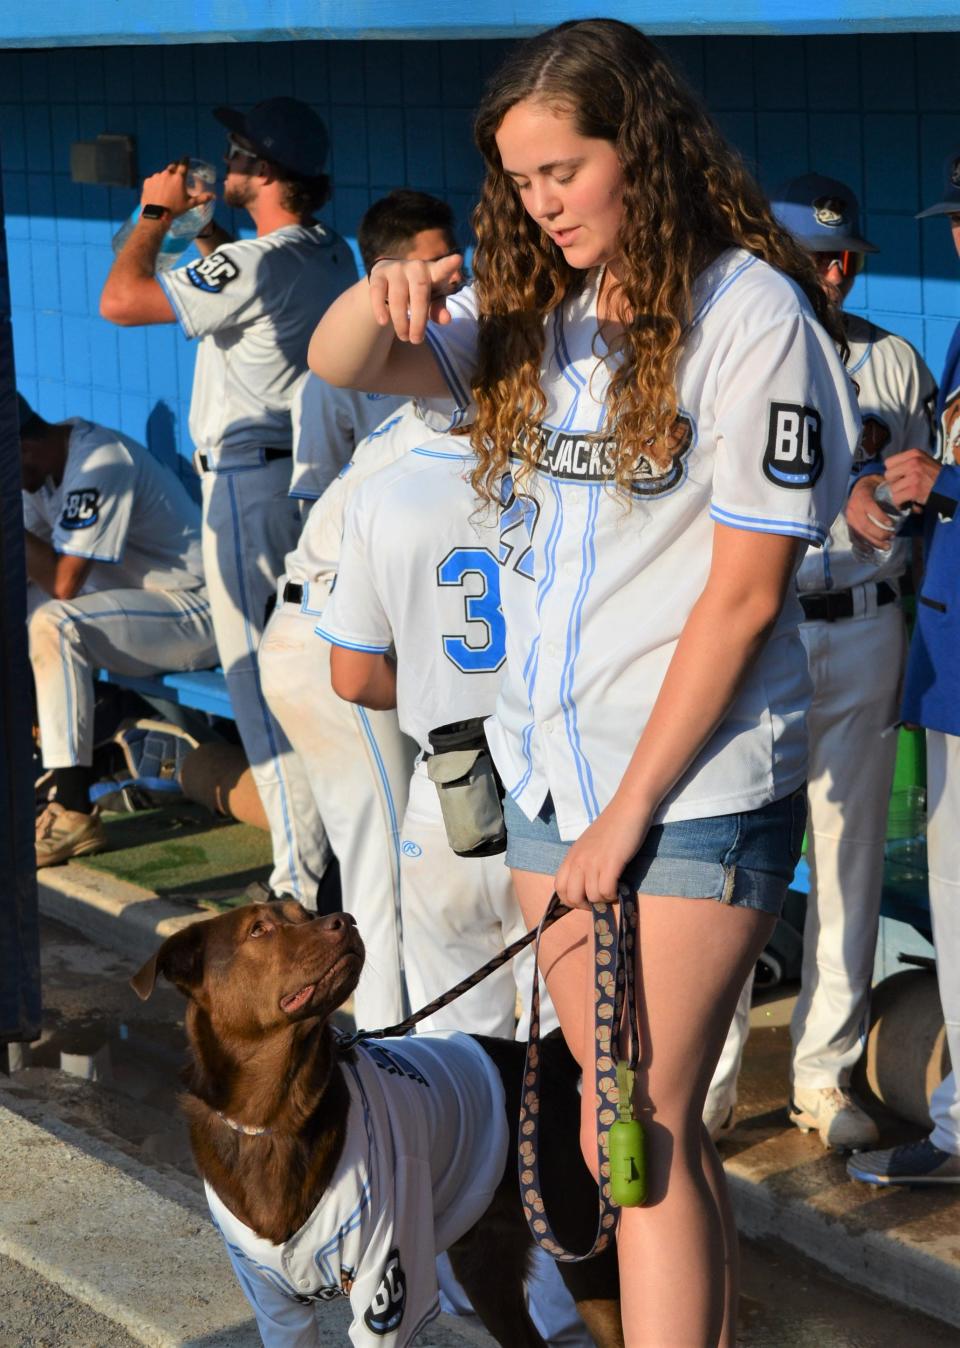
(649, 370)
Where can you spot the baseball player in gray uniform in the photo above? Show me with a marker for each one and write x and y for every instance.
(113, 550)
(252, 305)
(357, 761)
(855, 642)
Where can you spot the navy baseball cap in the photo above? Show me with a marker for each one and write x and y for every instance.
(821, 213)
(950, 202)
(284, 131)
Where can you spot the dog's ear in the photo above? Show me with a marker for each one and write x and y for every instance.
(179, 959)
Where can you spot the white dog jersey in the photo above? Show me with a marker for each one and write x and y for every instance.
(328, 424)
(596, 590)
(425, 1149)
(431, 592)
(118, 506)
(897, 396)
(254, 304)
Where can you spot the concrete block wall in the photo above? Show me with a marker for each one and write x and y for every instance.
(880, 111)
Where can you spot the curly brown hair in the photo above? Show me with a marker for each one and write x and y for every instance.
(687, 196)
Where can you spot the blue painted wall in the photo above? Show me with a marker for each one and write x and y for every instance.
(879, 111)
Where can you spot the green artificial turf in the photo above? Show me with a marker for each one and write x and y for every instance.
(181, 851)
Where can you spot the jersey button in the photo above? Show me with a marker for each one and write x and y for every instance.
(548, 727)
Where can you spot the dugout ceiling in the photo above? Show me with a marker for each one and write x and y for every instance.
(135, 22)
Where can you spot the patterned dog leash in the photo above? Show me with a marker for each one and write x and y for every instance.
(556, 911)
(620, 1150)
(620, 1158)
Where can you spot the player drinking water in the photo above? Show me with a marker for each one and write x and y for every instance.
(657, 404)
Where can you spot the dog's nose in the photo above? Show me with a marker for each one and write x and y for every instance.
(337, 921)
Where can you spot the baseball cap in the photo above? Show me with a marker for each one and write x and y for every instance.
(284, 131)
(821, 213)
(950, 202)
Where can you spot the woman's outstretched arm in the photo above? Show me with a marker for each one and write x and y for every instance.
(372, 336)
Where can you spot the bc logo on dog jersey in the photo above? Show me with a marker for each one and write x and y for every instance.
(794, 453)
(385, 1311)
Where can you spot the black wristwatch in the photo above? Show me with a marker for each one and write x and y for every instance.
(154, 212)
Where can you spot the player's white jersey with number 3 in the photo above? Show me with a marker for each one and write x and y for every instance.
(419, 572)
(597, 589)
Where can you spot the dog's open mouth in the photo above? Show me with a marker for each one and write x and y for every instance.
(294, 1001)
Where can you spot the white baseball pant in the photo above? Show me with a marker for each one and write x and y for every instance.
(132, 632)
(458, 912)
(856, 665)
(249, 524)
(943, 864)
(358, 764)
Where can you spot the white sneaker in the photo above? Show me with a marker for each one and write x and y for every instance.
(835, 1114)
(718, 1118)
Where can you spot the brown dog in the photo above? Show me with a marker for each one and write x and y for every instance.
(284, 1132)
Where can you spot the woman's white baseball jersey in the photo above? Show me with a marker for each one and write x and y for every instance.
(122, 509)
(255, 304)
(425, 1149)
(328, 424)
(897, 396)
(419, 572)
(596, 591)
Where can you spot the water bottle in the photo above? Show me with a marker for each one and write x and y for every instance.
(866, 552)
(201, 177)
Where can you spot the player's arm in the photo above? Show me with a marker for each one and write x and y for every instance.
(372, 336)
(750, 574)
(132, 295)
(366, 677)
(60, 576)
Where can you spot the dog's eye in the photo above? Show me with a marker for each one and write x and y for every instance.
(260, 928)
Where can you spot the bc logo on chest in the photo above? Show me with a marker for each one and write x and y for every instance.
(80, 508)
(793, 456)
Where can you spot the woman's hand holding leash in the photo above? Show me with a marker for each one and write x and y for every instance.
(409, 293)
(591, 870)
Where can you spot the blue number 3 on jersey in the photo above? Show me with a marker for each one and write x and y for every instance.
(488, 655)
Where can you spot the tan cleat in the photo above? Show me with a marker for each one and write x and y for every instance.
(834, 1113)
(62, 834)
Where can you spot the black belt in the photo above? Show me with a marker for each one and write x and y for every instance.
(292, 593)
(268, 456)
(834, 604)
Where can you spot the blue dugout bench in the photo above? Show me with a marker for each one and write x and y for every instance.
(203, 690)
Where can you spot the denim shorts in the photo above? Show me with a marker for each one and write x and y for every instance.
(747, 859)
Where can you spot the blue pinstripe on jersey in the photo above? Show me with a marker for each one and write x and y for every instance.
(588, 566)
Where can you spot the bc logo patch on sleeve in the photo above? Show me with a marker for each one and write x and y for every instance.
(385, 1311)
(794, 453)
(80, 508)
(213, 273)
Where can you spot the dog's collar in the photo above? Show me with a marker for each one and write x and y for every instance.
(246, 1128)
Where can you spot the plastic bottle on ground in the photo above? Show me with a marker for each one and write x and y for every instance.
(201, 177)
